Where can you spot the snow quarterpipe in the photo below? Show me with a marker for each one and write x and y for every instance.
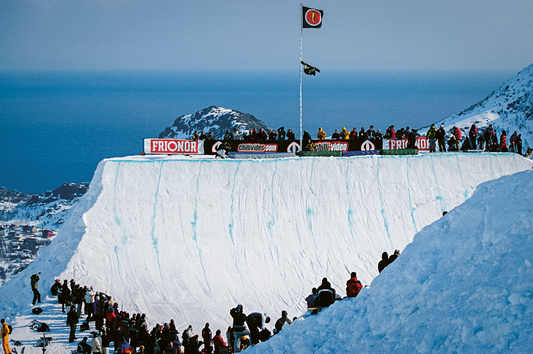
(189, 239)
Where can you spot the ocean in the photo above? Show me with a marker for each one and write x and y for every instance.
(56, 127)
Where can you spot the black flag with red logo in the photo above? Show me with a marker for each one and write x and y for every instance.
(312, 18)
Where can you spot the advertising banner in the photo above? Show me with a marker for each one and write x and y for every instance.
(422, 143)
(173, 146)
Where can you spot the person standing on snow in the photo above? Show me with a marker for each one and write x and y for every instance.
(239, 327)
(207, 338)
(5, 336)
(432, 136)
(34, 287)
(72, 320)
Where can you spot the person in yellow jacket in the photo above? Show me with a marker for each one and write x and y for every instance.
(321, 134)
(5, 337)
(344, 134)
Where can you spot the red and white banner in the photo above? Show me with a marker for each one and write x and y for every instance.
(173, 146)
(422, 143)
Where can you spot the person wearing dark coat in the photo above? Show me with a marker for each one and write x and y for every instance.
(239, 327)
(72, 320)
(255, 324)
(326, 294)
(281, 321)
(290, 135)
(64, 297)
(384, 261)
(394, 256)
(440, 135)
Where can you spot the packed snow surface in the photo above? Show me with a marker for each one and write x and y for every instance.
(464, 285)
(188, 239)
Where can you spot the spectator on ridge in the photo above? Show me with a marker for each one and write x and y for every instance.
(320, 135)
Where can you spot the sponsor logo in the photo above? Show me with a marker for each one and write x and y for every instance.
(313, 17)
(422, 143)
(368, 145)
(257, 148)
(293, 147)
(173, 146)
(327, 146)
(214, 149)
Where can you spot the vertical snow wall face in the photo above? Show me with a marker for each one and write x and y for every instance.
(190, 239)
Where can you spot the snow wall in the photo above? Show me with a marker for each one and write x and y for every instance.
(189, 239)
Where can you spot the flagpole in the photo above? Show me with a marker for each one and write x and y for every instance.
(300, 66)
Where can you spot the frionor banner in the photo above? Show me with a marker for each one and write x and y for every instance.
(173, 146)
(422, 143)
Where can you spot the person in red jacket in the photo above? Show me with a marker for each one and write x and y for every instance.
(353, 286)
(458, 134)
(218, 341)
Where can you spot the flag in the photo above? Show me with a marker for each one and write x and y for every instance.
(310, 70)
(312, 18)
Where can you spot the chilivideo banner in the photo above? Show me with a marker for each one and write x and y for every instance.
(173, 146)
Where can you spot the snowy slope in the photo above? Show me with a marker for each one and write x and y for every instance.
(189, 239)
(508, 108)
(465, 285)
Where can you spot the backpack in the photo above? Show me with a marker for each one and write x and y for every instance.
(10, 329)
(325, 298)
(37, 310)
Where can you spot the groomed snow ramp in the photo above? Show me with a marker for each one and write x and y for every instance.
(189, 239)
(464, 285)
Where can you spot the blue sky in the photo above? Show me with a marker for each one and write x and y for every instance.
(232, 35)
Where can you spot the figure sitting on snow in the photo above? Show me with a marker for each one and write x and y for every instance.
(84, 347)
(326, 294)
(353, 286)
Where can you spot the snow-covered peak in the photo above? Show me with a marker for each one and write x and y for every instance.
(509, 108)
(214, 120)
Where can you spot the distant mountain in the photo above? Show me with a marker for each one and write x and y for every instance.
(212, 119)
(48, 209)
(508, 108)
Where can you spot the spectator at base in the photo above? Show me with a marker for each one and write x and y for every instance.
(384, 261)
(282, 320)
(394, 256)
(218, 342)
(311, 299)
(353, 286)
(84, 347)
